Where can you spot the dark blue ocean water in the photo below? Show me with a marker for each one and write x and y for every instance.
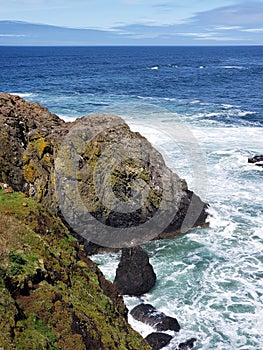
(228, 80)
(202, 107)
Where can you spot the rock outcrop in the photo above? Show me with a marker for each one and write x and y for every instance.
(134, 274)
(148, 314)
(257, 160)
(188, 344)
(158, 340)
(120, 180)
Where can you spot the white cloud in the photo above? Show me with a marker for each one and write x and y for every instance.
(253, 30)
(12, 35)
(198, 35)
(228, 27)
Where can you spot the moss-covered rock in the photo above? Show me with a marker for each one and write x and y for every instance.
(37, 147)
(51, 294)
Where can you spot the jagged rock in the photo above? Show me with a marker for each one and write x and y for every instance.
(148, 314)
(188, 344)
(134, 275)
(158, 340)
(137, 192)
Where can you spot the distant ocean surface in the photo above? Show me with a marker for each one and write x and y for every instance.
(210, 279)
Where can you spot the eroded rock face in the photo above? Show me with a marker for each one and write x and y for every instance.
(148, 314)
(121, 179)
(29, 134)
(134, 275)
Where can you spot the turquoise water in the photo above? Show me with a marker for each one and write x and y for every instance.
(211, 279)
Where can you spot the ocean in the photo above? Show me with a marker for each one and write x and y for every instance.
(202, 108)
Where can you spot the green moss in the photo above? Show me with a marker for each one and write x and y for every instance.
(52, 299)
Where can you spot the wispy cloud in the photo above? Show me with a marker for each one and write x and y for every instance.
(245, 13)
(12, 35)
(228, 27)
(223, 24)
(253, 30)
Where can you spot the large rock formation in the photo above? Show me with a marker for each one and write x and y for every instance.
(109, 184)
(134, 275)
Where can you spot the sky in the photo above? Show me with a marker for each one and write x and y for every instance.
(194, 22)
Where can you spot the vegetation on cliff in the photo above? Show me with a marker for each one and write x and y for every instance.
(51, 295)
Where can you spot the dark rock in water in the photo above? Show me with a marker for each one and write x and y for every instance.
(255, 159)
(189, 344)
(158, 340)
(134, 275)
(259, 164)
(148, 314)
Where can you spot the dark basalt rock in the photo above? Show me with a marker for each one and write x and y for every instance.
(189, 344)
(158, 340)
(255, 159)
(134, 275)
(148, 314)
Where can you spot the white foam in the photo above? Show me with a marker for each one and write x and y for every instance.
(195, 102)
(227, 106)
(154, 68)
(26, 94)
(245, 113)
(67, 118)
(233, 67)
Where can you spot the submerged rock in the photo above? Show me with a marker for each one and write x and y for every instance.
(158, 340)
(134, 275)
(148, 314)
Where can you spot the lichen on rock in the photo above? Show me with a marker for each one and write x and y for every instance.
(135, 184)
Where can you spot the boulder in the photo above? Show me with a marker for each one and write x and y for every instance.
(188, 344)
(134, 274)
(148, 314)
(158, 340)
(255, 159)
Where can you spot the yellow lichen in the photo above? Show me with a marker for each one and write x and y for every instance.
(31, 171)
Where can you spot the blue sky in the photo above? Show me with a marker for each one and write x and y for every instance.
(191, 22)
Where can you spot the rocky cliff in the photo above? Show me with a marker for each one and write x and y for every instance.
(51, 295)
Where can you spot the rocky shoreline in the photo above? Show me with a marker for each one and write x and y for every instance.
(42, 159)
